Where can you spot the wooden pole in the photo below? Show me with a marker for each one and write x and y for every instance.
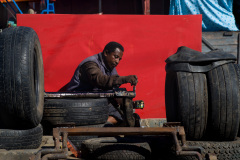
(100, 7)
(146, 4)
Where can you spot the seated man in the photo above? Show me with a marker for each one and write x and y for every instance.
(98, 72)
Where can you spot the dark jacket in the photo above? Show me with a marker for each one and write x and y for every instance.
(92, 74)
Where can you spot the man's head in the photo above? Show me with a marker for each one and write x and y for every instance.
(112, 54)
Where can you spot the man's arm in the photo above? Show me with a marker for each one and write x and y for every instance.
(91, 72)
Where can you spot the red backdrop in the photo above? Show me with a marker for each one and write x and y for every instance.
(148, 40)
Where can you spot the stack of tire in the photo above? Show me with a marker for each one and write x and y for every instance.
(21, 89)
(70, 112)
(207, 105)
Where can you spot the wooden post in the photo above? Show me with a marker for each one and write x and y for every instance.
(100, 7)
(146, 7)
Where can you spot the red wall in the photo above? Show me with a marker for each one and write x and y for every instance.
(148, 40)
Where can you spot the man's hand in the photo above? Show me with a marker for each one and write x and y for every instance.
(126, 79)
(132, 79)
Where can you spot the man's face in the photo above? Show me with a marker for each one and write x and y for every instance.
(112, 59)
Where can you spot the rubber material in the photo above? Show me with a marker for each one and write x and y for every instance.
(78, 111)
(21, 139)
(115, 148)
(171, 97)
(77, 140)
(223, 84)
(238, 73)
(188, 55)
(186, 100)
(21, 78)
(195, 67)
(223, 150)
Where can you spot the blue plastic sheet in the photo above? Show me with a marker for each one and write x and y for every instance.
(217, 14)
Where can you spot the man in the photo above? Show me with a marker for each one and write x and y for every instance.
(98, 72)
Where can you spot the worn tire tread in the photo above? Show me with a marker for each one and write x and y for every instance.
(223, 84)
(115, 148)
(17, 94)
(79, 111)
(21, 139)
(187, 102)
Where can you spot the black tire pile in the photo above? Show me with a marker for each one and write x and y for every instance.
(77, 112)
(207, 105)
(21, 89)
(22, 103)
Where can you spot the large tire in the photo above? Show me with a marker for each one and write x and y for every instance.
(21, 139)
(115, 148)
(77, 140)
(224, 100)
(187, 102)
(228, 150)
(21, 78)
(223, 150)
(78, 111)
(237, 67)
(171, 97)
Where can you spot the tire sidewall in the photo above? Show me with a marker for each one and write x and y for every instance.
(34, 64)
(37, 82)
(22, 78)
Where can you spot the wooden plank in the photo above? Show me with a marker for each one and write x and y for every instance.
(146, 4)
(232, 49)
(219, 40)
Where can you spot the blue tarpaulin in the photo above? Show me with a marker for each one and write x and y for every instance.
(217, 14)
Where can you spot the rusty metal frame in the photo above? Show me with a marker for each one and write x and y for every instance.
(61, 150)
(121, 92)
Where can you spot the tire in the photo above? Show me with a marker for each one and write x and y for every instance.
(77, 140)
(115, 148)
(21, 139)
(171, 97)
(223, 84)
(238, 74)
(78, 111)
(187, 102)
(223, 150)
(21, 78)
